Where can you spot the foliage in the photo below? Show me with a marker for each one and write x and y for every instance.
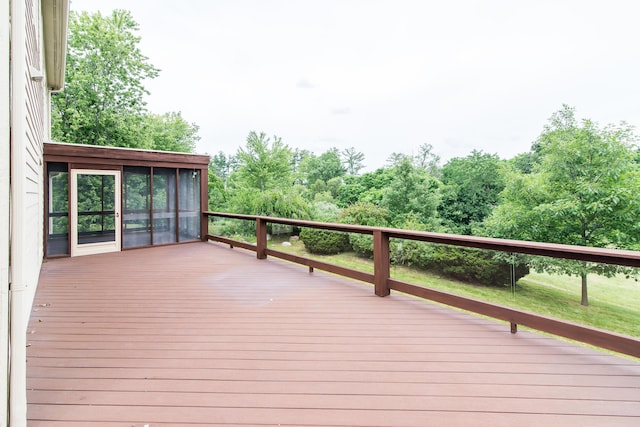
(103, 100)
(412, 192)
(364, 214)
(524, 162)
(366, 188)
(297, 160)
(352, 160)
(325, 242)
(322, 173)
(582, 192)
(472, 187)
(223, 166)
(324, 167)
(272, 202)
(263, 164)
(169, 132)
(324, 211)
(411, 252)
(426, 159)
(474, 266)
(217, 193)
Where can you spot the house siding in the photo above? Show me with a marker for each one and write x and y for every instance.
(4, 209)
(29, 121)
(34, 133)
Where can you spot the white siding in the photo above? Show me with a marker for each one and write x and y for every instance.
(36, 131)
(29, 130)
(4, 209)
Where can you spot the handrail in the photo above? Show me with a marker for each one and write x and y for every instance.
(383, 283)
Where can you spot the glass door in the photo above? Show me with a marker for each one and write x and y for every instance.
(95, 211)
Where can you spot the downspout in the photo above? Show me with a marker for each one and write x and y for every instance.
(19, 312)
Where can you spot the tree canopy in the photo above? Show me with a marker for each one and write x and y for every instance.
(472, 187)
(582, 191)
(103, 100)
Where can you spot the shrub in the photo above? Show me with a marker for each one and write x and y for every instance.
(324, 242)
(364, 214)
(411, 252)
(474, 266)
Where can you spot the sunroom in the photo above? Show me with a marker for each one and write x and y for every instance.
(106, 199)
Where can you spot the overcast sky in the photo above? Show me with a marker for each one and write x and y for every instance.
(386, 76)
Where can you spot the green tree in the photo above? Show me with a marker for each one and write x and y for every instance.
(352, 160)
(427, 159)
(217, 192)
(297, 169)
(584, 191)
(263, 164)
(367, 188)
(103, 99)
(323, 167)
(222, 166)
(472, 187)
(262, 183)
(413, 192)
(169, 132)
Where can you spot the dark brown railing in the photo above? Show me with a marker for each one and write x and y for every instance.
(383, 283)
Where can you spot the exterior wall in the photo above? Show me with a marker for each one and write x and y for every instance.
(29, 130)
(35, 133)
(4, 208)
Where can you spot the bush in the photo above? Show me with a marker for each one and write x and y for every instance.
(324, 242)
(474, 266)
(364, 214)
(411, 253)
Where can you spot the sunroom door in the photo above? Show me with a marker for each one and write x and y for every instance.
(95, 211)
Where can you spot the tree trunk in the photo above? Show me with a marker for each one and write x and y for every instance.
(585, 297)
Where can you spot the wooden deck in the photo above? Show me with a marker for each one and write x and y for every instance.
(200, 334)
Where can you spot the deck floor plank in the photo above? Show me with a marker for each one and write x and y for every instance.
(200, 334)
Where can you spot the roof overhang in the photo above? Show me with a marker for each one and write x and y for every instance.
(106, 155)
(55, 16)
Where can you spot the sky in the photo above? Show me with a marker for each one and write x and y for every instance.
(387, 76)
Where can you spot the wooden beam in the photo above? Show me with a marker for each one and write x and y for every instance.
(381, 267)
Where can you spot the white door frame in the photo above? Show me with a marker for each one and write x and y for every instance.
(100, 247)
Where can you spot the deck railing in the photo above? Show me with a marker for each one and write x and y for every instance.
(383, 283)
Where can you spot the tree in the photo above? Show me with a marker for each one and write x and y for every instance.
(584, 191)
(323, 167)
(262, 183)
(413, 192)
(217, 192)
(368, 187)
(297, 161)
(169, 132)
(472, 187)
(428, 160)
(222, 166)
(103, 100)
(264, 164)
(352, 160)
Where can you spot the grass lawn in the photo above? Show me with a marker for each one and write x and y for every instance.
(614, 303)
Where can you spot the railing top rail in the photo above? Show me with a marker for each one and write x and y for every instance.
(555, 250)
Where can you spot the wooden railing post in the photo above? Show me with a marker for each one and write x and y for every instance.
(261, 236)
(381, 270)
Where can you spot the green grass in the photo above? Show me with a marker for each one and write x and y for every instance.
(614, 302)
